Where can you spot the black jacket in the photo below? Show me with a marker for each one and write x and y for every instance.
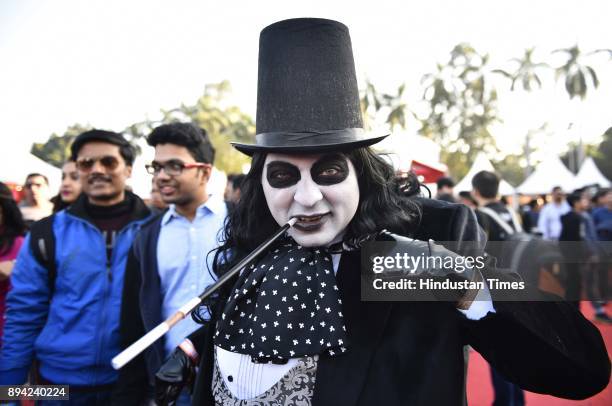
(572, 237)
(411, 353)
(140, 313)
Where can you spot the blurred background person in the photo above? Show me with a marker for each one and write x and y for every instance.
(36, 204)
(602, 220)
(602, 214)
(596, 291)
(498, 222)
(12, 229)
(466, 198)
(577, 248)
(445, 189)
(232, 189)
(598, 199)
(549, 220)
(156, 203)
(529, 215)
(70, 188)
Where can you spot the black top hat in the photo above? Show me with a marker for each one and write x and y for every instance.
(307, 95)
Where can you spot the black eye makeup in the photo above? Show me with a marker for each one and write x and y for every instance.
(282, 174)
(330, 170)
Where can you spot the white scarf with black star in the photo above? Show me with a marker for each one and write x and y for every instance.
(286, 306)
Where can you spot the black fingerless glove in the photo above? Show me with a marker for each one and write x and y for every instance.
(177, 372)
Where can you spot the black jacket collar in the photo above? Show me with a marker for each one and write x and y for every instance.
(139, 211)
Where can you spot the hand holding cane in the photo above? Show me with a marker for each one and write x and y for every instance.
(145, 341)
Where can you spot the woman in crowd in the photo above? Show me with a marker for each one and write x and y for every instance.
(70, 188)
(12, 229)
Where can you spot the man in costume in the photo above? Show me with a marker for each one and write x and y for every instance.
(292, 329)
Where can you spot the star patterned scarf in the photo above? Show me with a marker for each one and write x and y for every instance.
(286, 306)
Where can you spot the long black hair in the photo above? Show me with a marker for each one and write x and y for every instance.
(12, 220)
(384, 203)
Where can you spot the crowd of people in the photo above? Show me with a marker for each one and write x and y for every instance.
(582, 217)
(100, 267)
(579, 221)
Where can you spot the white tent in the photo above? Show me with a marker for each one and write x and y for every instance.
(481, 163)
(15, 166)
(549, 173)
(589, 175)
(403, 147)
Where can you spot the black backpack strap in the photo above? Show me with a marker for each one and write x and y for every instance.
(42, 244)
(497, 219)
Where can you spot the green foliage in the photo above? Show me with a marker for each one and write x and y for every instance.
(223, 124)
(576, 153)
(526, 72)
(56, 150)
(462, 106)
(511, 168)
(458, 163)
(577, 76)
(374, 103)
(603, 154)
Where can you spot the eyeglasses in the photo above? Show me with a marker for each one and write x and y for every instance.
(86, 164)
(173, 168)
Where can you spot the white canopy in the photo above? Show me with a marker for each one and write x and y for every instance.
(549, 173)
(589, 175)
(403, 147)
(482, 163)
(16, 165)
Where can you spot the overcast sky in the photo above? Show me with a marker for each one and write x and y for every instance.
(112, 63)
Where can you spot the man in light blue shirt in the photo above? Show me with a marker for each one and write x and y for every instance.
(171, 258)
(549, 221)
(185, 267)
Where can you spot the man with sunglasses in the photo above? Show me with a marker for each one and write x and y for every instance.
(69, 322)
(170, 258)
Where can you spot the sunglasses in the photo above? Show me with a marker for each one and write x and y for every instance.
(173, 168)
(86, 164)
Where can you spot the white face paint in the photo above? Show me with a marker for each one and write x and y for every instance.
(320, 190)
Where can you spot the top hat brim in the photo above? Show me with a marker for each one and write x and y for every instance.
(310, 142)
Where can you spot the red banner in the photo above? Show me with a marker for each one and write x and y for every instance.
(426, 173)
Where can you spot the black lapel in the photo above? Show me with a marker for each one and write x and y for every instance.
(340, 379)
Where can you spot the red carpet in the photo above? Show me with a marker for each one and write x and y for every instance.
(480, 391)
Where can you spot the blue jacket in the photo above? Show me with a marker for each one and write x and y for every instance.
(76, 333)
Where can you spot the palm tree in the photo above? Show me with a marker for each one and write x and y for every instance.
(526, 73)
(462, 106)
(576, 74)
